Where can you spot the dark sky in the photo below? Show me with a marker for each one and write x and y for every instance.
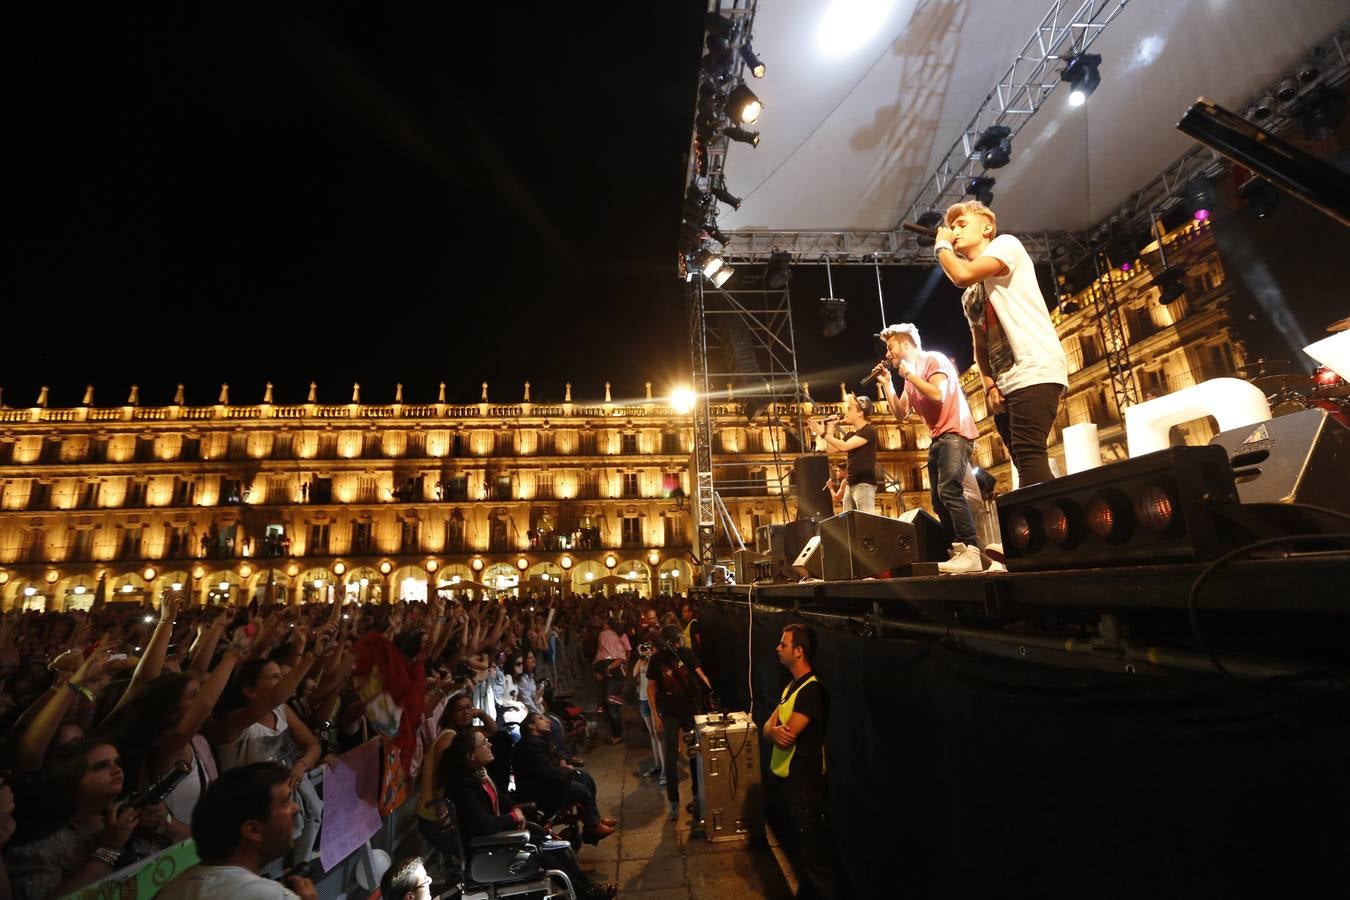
(348, 191)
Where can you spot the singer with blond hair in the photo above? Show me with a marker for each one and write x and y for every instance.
(859, 441)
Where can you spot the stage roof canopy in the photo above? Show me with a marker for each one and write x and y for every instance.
(864, 98)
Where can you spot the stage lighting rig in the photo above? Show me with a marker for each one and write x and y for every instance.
(716, 233)
(751, 60)
(1171, 284)
(1263, 109)
(743, 106)
(832, 318)
(930, 219)
(721, 193)
(778, 272)
(995, 146)
(981, 187)
(1080, 71)
(718, 25)
(737, 133)
(1321, 113)
(720, 277)
(709, 263)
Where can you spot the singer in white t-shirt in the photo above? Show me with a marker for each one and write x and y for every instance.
(1021, 361)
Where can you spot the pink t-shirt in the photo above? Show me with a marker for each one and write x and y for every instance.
(951, 413)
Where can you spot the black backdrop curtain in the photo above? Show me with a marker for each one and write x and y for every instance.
(955, 774)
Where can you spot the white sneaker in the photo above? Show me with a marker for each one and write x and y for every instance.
(964, 558)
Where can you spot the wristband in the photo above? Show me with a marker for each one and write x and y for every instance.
(107, 856)
(81, 690)
(939, 246)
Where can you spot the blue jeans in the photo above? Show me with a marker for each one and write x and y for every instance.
(948, 460)
(862, 497)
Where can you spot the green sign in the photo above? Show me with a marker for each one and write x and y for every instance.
(144, 882)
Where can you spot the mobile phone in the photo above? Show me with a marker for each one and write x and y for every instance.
(113, 656)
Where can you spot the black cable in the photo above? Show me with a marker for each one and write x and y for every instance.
(1192, 612)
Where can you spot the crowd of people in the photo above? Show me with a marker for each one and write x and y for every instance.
(128, 729)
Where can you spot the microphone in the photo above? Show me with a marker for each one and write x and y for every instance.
(919, 229)
(874, 374)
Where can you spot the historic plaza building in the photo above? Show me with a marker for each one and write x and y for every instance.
(232, 502)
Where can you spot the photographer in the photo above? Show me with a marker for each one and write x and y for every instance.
(645, 652)
(675, 684)
(241, 824)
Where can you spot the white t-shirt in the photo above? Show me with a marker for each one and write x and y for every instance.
(1023, 347)
(258, 743)
(203, 882)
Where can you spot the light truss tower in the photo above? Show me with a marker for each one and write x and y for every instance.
(1117, 348)
(742, 340)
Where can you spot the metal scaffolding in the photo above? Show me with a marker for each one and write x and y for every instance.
(894, 248)
(1118, 366)
(742, 343)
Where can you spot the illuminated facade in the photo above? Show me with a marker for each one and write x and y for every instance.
(371, 501)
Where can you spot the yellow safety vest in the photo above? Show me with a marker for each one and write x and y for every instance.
(780, 760)
(688, 637)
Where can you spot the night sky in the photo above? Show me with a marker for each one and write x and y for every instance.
(380, 193)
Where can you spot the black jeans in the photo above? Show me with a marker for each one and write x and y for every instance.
(613, 688)
(670, 743)
(797, 813)
(1024, 427)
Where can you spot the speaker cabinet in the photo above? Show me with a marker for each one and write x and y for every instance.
(1303, 457)
(860, 545)
(784, 541)
(809, 475)
(932, 543)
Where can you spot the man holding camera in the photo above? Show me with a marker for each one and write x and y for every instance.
(675, 684)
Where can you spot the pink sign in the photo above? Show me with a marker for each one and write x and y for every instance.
(349, 796)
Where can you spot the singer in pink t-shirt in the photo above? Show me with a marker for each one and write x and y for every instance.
(932, 387)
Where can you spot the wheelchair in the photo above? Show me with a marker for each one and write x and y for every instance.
(510, 864)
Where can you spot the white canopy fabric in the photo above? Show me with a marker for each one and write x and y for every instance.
(863, 99)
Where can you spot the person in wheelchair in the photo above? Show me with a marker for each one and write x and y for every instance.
(545, 778)
(483, 809)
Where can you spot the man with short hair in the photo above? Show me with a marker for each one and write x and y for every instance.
(1020, 358)
(242, 823)
(796, 729)
(406, 880)
(859, 441)
(932, 388)
(544, 778)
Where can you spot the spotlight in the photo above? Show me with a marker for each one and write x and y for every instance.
(1308, 73)
(720, 277)
(1263, 108)
(717, 234)
(1287, 90)
(832, 318)
(930, 219)
(718, 24)
(995, 146)
(743, 106)
(1201, 198)
(1261, 196)
(1322, 114)
(736, 133)
(751, 60)
(778, 273)
(981, 188)
(717, 64)
(1170, 283)
(726, 197)
(1080, 71)
(708, 262)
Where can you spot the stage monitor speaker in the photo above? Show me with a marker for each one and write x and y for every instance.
(809, 475)
(1303, 457)
(856, 544)
(931, 541)
(807, 562)
(784, 540)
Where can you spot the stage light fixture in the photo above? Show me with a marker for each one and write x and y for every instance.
(1169, 505)
(1261, 197)
(981, 188)
(730, 199)
(995, 146)
(1201, 198)
(1322, 112)
(1307, 73)
(1170, 283)
(720, 277)
(718, 24)
(1263, 109)
(752, 61)
(743, 106)
(930, 219)
(1080, 71)
(736, 133)
(717, 234)
(708, 263)
(1287, 90)
(717, 65)
(833, 320)
(778, 272)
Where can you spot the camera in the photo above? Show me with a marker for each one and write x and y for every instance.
(645, 649)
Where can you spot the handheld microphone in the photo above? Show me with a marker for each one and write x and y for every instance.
(874, 374)
(919, 229)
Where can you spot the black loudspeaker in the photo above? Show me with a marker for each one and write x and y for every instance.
(932, 543)
(1299, 458)
(784, 540)
(809, 475)
(860, 545)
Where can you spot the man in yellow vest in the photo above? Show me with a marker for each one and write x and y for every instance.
(796, 729)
